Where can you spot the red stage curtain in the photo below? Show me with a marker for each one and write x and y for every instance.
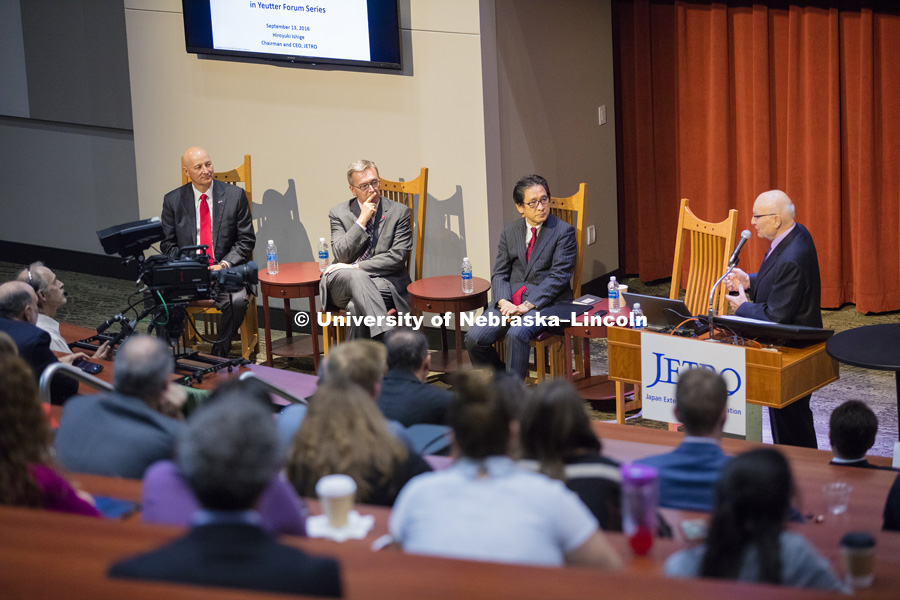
(720, 101)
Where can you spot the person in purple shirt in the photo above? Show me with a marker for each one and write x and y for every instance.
(26, 475)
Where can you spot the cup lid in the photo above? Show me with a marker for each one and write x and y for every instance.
(858, 539)
(638, 474)
(335, 486)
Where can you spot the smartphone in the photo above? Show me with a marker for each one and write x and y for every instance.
(87, 366)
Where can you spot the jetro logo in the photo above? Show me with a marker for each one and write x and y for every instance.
(667, 372)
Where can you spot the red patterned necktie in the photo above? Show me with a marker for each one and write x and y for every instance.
(206, 227)
(530, 244)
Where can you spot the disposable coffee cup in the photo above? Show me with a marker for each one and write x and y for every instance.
(623, 289)
(858, 558)
(336, 493)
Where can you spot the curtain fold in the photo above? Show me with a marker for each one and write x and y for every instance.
(721, 101)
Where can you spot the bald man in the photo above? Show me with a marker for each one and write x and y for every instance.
(205, 211)
(785, 290)
(18, 319)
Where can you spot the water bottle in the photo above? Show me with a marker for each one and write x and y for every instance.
(637, 315)
(323, 255)
(271, 258)
(640, 497)
(612, 292)
(468, 286)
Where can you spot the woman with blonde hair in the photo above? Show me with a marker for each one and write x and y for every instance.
(344, 432)
(26, 475)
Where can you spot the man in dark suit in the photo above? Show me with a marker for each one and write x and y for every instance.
(405, 397)
(532, 272)
(205, 211)
(371, 239)
(121, 433)
(785, 290)
(689, 473)
(228, 454)
(18, 318)
(852, 430)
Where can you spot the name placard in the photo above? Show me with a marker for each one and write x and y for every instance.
(664, 357)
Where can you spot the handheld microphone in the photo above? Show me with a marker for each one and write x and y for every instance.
(745, 235)
(107, 324)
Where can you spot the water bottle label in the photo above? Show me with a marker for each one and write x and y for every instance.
(323, 254)
(466, 275)
(272, 256)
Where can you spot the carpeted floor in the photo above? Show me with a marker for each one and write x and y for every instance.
(91, 300)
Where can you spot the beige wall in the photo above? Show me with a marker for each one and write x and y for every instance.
(554, 63)
(303, 125)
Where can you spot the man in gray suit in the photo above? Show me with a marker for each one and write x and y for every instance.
(371, 239)
(533, 272)
(225, 226)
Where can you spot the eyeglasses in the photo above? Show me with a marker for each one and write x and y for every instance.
(374, 184)
(543, 201)
(758, 217)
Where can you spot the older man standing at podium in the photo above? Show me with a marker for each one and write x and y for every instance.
(787, 290)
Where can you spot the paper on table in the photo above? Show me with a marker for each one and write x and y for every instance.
(358, 526)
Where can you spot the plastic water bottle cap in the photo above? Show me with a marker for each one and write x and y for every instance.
(271, 242)
(466, 259)
(637, 306)
(613, 278)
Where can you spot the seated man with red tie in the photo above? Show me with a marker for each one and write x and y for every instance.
(205, 211)
(532, 274)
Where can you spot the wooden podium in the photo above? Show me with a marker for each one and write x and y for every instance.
(775, 377)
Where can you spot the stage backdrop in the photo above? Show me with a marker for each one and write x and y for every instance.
(721, 101)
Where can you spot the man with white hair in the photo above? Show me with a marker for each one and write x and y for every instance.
(786, 289)
(371, 239)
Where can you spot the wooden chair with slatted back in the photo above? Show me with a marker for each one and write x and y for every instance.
(548, 348)
(414, 194)
(710, 247)
(204, 312)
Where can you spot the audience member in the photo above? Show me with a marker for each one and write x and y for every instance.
(362, 362)
(228, 453)
(852, 431)
(688, 474)
(557, 436)
(344, 432)
(18, 319)
(371, 237)
(747, 540)
(51, 295)
(121, 433)
(405, 397)
(532, 272)
(27, 477)
(216, 214)
(484, 507)
(167, 498)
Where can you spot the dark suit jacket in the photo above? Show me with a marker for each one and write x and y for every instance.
(233, 237)
(393, 244)
(861, 464)
(34, 348)
(547, 276)
(406, 399)
(892, 507)
(787, 288)
(239, 556)
(114, 435)
(688, 475)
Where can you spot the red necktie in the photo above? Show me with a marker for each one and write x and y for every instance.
(530, 244)
(517, 296)
(206, 227)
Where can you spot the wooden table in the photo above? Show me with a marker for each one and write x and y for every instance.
(443, 294)
(293, 280)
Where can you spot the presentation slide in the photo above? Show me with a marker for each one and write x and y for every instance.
(329, 28)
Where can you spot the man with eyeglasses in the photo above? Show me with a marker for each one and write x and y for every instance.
(532, 274)
(786, 289)
(371, 239)
(51, 295)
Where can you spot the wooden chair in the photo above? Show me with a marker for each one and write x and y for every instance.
(204, 312)
(548, 348)
(414, 194)
(711, 245)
